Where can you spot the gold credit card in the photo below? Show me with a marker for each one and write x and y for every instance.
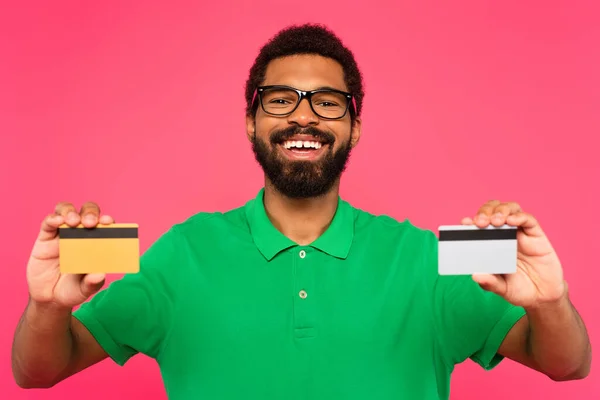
(109, 249)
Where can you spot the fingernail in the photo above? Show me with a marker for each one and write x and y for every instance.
(481, 217)
(90, 219)
(498, 215)
(71, 215)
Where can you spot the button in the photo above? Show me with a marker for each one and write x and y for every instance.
(302, 254)
(302, 294)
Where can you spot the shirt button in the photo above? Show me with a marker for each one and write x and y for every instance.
(302, 294)
(302, 254)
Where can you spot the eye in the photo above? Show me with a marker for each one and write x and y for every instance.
(328, 99)
(279, 101)
(327, 104)
(279, 98)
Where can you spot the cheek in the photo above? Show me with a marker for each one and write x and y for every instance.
(342, 133)
(264, 126)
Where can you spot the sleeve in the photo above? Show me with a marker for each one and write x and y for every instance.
(471, 322)
(134, 314)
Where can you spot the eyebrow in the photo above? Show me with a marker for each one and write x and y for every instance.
(317, 88)
(329, 88)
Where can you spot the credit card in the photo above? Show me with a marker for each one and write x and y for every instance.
(109, 249)
(468, 249)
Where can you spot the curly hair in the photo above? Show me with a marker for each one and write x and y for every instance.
(306, 39)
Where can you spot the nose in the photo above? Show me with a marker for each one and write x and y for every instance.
(303, 115)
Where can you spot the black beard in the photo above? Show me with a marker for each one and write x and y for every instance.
(301, 179)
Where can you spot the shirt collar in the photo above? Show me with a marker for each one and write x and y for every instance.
(335, 241)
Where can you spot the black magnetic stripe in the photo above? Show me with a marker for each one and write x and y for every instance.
(98, 233)
(479, 234)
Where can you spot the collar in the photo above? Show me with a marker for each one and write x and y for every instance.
(335, 241)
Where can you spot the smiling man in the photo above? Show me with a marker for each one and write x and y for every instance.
(297, 294)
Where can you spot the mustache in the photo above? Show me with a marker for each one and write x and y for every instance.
(287, 133)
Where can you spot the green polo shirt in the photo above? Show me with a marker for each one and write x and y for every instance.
(232, 309)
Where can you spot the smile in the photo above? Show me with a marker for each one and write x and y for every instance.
(303, 147)
(299, 144)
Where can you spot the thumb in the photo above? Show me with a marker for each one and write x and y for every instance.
(491, 283)
(91, 283)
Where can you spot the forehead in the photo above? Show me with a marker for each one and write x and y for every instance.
(305, 72)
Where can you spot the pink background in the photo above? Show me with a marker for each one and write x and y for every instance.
(139, 106)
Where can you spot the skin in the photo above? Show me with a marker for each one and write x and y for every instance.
(551, 337)
(50, 345)
(303, 220)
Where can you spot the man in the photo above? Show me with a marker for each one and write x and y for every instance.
(297, 294)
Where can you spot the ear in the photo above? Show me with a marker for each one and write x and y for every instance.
(355, 132)
(250, 127)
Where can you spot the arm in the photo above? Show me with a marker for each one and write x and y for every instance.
(551, 339)
(132, 315)
(50, 345)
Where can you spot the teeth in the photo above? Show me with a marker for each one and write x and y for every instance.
(288, 144)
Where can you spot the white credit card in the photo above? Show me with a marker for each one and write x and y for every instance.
(468, 249)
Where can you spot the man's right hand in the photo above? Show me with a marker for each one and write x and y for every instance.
(47, 286)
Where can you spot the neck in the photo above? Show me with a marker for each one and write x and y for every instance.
(301, 220)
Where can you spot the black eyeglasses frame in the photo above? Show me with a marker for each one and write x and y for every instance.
(304, 94)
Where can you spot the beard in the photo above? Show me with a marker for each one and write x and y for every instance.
(301, 179)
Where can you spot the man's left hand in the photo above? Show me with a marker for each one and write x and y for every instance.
(539, 277)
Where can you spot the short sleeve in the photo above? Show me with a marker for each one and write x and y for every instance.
(471, 322)
(133, 314)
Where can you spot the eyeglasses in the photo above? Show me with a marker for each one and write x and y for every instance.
(281, 100)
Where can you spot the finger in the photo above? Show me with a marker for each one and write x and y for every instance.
(502, 211)
(90, 213)
(467, 221)
(491, 283)
(64, 207)
(91, 283)
(484, 213)
(527, 222)
(49, 228)
(488, 207)
(69, 212)
(106, 220)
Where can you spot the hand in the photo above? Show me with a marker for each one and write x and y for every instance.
(539, 276)
(47, 285)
